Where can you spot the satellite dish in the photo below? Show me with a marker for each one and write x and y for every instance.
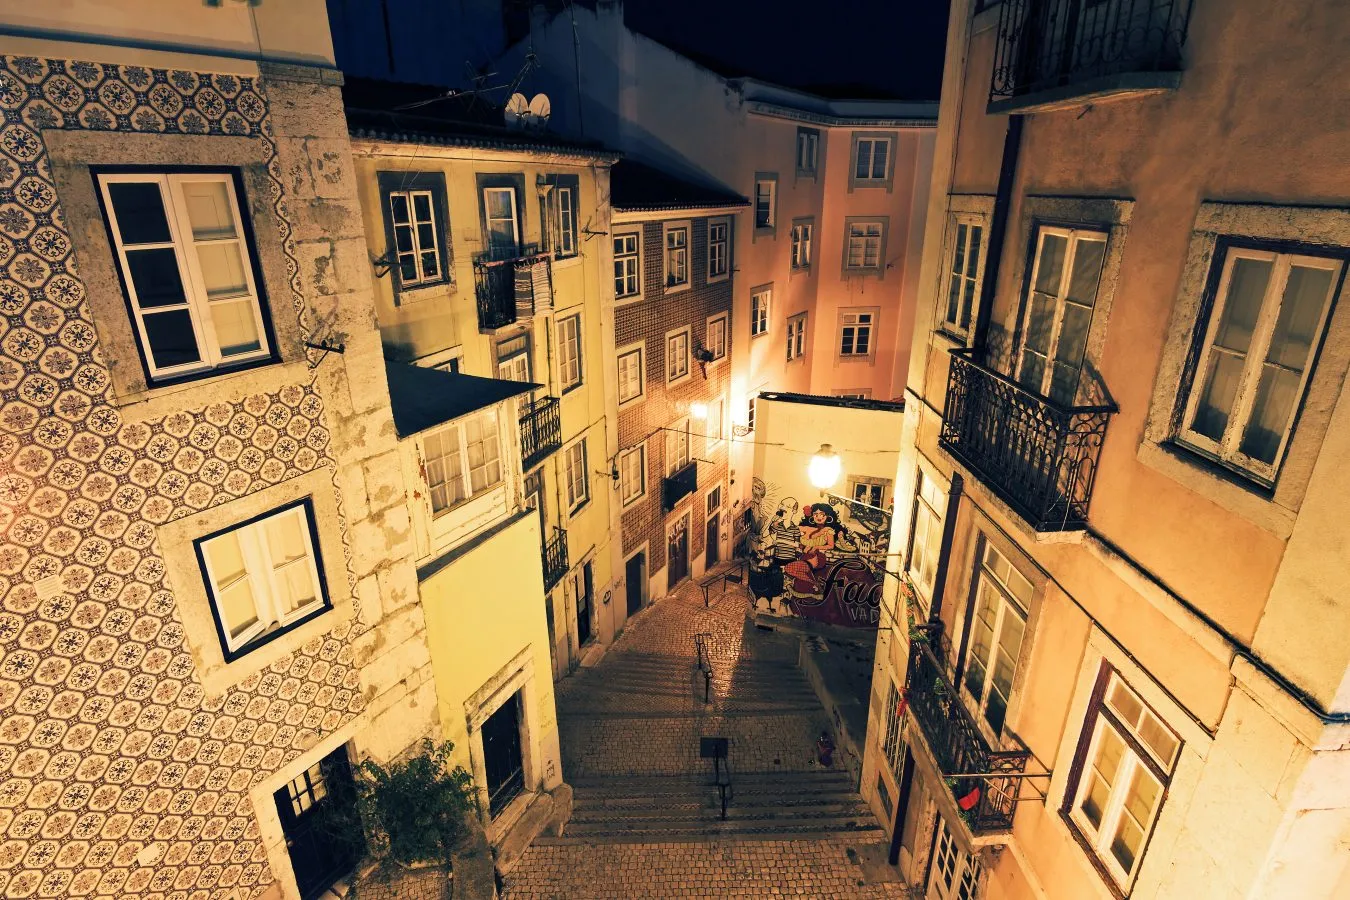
(517, 111)
(540, 109)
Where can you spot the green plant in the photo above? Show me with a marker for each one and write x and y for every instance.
(415, 809)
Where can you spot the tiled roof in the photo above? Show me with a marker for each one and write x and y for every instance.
(423, 398)
(638, 187)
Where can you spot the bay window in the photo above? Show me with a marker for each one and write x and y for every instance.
(462, 460)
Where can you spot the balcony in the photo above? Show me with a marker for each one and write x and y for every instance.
(985, 783)
(540, 431)
(678, 486)
(512, 285)
(1037, 456)
(555, 558)
(1054, 54)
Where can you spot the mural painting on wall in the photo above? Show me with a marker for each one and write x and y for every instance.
(822, 561)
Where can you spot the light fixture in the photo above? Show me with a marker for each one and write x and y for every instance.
(823, 469)
(698, 410)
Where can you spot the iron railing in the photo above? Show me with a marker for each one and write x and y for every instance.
(679, 485)
(555, 558)
(512, 285)
(972, 768)
(1044, 45)
(705, 668)
(540, 431)
(1037, 456)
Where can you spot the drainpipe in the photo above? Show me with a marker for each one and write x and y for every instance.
(998, 228)
(945, 550)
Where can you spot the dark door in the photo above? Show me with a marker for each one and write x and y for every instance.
(501, 755)
(319, 820)
(713, 536)
(585, 601)
(635, 574)
(678, 553)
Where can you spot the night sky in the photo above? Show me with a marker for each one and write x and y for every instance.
(842, 48)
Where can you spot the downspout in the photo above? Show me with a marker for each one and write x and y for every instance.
(998, 229)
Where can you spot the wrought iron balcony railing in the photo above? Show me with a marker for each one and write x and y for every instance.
(512, 285)
(984, 782)
(555, 558)
(540, 431)
(1057, 50)
(1037, 456)
(679, 485)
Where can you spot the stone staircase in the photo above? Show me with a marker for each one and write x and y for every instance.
(685, 808)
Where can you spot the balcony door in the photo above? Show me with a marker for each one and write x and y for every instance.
(1002, 597)
(1058, 310)
(583, 586)
(503, 760)
(677, 552)
(312, 807)
(503, 225)
(954, 874)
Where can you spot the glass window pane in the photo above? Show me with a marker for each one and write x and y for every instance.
(226, 559)
(959, 257)
(236, 327)
(1050, 265)
(1087, 271)
(1125, 703)
(1246, 289)
(1125, 846)
(1040, 323)
(222, 269)
(422, 207)
(1156, 735)
(1094, 801)
(1272, 410)
(864, 166)
(155, 277)
(499, 204)
(398, 208)
(1305, 295)
(880, 150)
(403, 238)
(431, 265)
(295, 584)
(172, 341)
(238, 609)
(139, 209)
(209, 209)
(1216, 399)
(973, 257)
(286, 538)
(426, 236)
(1073, 333)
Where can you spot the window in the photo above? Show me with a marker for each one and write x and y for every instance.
(513, 358)
(717, 337)
(677, 256)
(677, 355)
(801, 245)
(627, 266)
(263, 576)
(766, 201)
(633, 474)
(855, 333)
(759, 311)
(1001, 600)
(1269, 315)
(1121, 778)
(808, 151)
(796, 337)
(714, 423)
(963, 273)
(569, 351)
(719, 249)
(462, 460)
(578, 478)
(870, 491)
(925, 543)
(677, 447)
(750, 412)
(415, 229)
(955, 874)
(863, 251)
(500, 222)
(187, 268)
(853, 393)
(891, 744)
(713, 501)
(1062, 293)
(871, 160)
(632, 378)
(560, 214)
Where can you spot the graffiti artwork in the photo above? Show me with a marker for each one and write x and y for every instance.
(823, 561)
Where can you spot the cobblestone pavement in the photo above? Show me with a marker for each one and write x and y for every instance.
(641, 712)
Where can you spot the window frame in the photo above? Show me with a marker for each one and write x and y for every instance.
(714, 433)
(892, 746)
(639, 348)
(564, 380)
(1227, 450)
(635, 257)
(1008, 602)
(872, 138)
(871, 325)
(870, 481)
(975, 279)
(802, 234)
(925, 581)
(640, 450)
(676, 434)
(189, 276)
(576, 504)
(674, 334)
(712, 276)
(667, 231)
(508, 360)
(883, 227)
(723, 321)
(760, 310)
(769, 225)
(796, 337)
(465, 471)
(432, 183)
(324, 600)
(812, 143)
(960, 880)
(750, 410)
(551, 215)
(515, 185)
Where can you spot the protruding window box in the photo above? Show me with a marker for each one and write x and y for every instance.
(679, 485)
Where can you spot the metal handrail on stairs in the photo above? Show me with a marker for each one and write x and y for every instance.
(704, 663)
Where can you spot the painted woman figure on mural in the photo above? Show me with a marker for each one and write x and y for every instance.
(819, 530)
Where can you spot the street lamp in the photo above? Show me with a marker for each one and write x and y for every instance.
(823, 469)
(698, 410)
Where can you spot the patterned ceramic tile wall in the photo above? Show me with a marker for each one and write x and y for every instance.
(107, 741)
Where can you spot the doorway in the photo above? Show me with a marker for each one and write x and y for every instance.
(677, 552)
(712, 538)
(502, 758)
(317, 809)
(585, 594)
(635, 578)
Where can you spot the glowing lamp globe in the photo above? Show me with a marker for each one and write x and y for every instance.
(698, 410)
(823, 469)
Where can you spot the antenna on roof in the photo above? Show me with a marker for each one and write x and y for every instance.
(517, 112)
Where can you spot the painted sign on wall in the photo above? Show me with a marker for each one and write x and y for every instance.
(823, 560)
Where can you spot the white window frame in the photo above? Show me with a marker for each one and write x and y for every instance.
(576, 476)
(892, 747)
(1013, 601)
(462, 451)
(969, 281)
(796, 337)
(678, 366)
(562, 223)
(808, 152)
(196, 301)
(750, 410)
(570, 360)
(716, 423)
(715, 255)
(851, 318)
(955, 873)
(870, 482)
(801, 245)
(857, 232)
(925, 542)
(766, 186)
(409, 199)
(871, 179)
(1139, 759)
(716, 331)
(639, 453)
(761, 302)
(638, 349)
(488, 220)
(260, 571)
(1228, 448)
(676, 256)
(517, 365)
(679, 446)
(622, 260)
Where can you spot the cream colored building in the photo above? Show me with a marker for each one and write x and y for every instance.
(487, 250)
(1126, 673)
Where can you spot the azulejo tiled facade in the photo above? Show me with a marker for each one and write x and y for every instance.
(108, 740)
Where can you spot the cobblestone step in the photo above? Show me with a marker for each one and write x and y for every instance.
(789, 828)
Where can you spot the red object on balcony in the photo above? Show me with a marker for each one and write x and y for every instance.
(969, 801)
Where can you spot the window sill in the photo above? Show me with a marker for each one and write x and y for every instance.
(272, 634)
(863, 271)
(1082, 93)
(758, 334)
(956, 339)
(672, 382)
(632, 401)
(422, 292)
(227, 387)
(766, 230)
(800, 270)
(632, 501)
(578, 509)
(869, 359)
(566, 262)
(718, 279)
(676, 288)
(627, 301)
(1218, 485)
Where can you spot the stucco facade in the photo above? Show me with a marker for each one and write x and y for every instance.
(1200, 583)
